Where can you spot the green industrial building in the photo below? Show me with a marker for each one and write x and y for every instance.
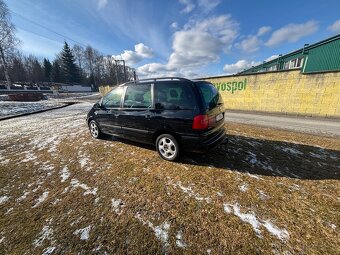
(322, 56)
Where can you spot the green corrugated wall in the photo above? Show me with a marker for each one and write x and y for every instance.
(325, 57)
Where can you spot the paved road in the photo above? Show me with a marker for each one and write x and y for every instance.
(299, 124)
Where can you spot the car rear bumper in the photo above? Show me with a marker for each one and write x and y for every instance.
(206, 141)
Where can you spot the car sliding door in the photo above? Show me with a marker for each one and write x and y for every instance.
(136, 114)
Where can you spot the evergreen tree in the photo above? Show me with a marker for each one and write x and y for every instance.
(17, 70)
(47, 69)
(56, 72)
(69, 68)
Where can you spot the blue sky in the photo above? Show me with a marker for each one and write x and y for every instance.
(180, 37)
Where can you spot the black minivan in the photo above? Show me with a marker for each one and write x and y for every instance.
(173, 113)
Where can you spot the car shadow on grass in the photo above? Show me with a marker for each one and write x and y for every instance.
(272, 158)
(264, 157)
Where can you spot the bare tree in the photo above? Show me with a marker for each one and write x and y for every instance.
(78, 53)
(8, 40)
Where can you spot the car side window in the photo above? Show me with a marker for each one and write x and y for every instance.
(113, 98)
(138, 96)
(174, 96)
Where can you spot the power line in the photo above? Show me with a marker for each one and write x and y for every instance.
(42, 36)
(48, 29)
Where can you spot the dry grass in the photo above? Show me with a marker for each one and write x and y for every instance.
(289, 179)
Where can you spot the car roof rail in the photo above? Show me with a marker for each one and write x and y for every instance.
(157, 79)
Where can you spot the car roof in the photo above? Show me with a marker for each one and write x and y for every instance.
(161, 79)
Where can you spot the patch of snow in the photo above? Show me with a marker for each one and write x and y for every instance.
(333, 226)
(254, 176)
(133, 179)
(281, 234)
(65, 174)
(190, 192)
(294, 187)
(56, 201)
(65, 190)
(84, 233)
(3, 199)
(179, 240)
(45, 234)
(75, 184)
(23, 197)
(48, 250)
(8, 108)
(83, 162)
(220, 194)
(291, 150)
(314, 155)
(92, 192)
(263, 195)
(117, 205)
(243, 187)
(41, 199)
(4, 161)
(252, 158)
(186, 168)
(9, 210)
(29, 157)
(256, 223)
(161, 231)
(209, 251)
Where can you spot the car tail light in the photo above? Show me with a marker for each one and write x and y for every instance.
(200, 122)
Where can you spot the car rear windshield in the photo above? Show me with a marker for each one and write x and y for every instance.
(209, 93)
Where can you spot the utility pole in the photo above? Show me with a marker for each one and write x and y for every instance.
(117, 79)
(125, 78)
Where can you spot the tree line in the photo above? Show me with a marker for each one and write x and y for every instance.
(73, 65)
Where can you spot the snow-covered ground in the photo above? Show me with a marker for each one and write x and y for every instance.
(9, 108)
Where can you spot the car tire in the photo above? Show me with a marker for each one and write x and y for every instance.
(94, 130)
(167, 147)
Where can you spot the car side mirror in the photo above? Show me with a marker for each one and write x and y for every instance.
(97, 105)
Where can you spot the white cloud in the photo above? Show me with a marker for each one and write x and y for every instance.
(143, 50)
(250, 44)
(238, 66)
(199, 43)
(174, 25)
(189, 6)
(133, 57)
(102, 3)
(263, 30)
(335, 27)
(208, 5)
(292, 32)
(163, 70)
(271, 58)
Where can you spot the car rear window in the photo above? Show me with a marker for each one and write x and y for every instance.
(174, 96)
(209, 93)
